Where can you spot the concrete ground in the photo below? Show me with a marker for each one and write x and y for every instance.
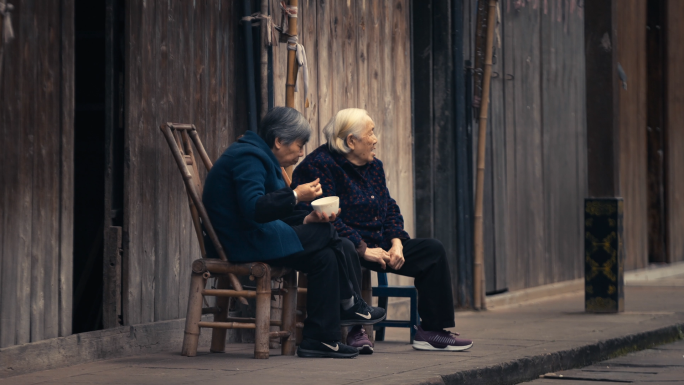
(512, 344)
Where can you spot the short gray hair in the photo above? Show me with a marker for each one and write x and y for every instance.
(348, 121)
(285, 123)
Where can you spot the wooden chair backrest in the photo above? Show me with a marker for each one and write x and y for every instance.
(180, 138)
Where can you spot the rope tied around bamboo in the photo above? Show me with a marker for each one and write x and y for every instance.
(294, 45)
(272, 36)
(288, 11)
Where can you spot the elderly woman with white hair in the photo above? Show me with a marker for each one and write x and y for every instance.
(346, 167)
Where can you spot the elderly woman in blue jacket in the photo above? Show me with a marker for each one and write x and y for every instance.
(346, 167)
(253, 212)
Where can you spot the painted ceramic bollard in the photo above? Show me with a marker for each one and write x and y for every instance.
(603, 255)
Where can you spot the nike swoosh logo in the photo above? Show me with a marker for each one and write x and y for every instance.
(336, 348)
(364, 316)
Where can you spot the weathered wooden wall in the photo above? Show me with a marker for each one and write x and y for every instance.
(536, 163)
(185, 63)
(631, 47)
(675, 131)
(36, 205)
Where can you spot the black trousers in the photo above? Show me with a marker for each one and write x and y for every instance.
(333, 272)
(425, 260)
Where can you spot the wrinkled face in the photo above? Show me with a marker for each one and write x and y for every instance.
(363, 148)
(288, 154)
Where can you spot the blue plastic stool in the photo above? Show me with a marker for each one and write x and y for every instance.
(383, 291)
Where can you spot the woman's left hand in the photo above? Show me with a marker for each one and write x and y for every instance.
(316, 217)
(396, 254)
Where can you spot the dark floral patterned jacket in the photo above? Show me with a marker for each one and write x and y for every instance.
(370, 217)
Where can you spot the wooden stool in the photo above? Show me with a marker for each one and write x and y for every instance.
(179, 138)
(383, 291)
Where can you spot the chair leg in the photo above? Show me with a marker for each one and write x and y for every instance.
(263, 316)
(380, 331)
(218, 335)
(301, 306)
(415, 318)
(289, 313)
(194, 315)
(367, 294)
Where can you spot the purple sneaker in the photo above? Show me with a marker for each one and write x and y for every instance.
(439, 341)
(358, 338)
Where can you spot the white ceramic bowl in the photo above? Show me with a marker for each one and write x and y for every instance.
(327, 205)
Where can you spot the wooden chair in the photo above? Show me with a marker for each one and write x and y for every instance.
(179, 137)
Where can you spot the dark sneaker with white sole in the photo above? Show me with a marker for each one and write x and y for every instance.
(361, 314)
(358, 338)
(441, 341)
(319, 349)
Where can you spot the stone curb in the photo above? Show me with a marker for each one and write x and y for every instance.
(530, 368)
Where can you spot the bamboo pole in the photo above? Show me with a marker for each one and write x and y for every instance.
(478, 267)
(292, 67)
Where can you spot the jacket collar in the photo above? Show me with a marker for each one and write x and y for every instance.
(347, 165)
(255, 140)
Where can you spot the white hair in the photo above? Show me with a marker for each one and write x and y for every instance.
(348, 121)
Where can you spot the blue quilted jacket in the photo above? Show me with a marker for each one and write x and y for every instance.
(245, 172)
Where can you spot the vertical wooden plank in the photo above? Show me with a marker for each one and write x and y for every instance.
(240, 84)
(308, 28)
(26, 122)
(373, 32)
(400, 99)
(602, 98)
(17, 148)
(386, 131)
(231, 38)
(182, 34)
(655, 132)
(4, 174)
(422, 111)
(343, 42)
(362, 12)
(444, 141)
(40, 210)
(631, 47)
(51, 83)
(147, 164)
(160, 59)
(132, 179)
(226, 58)
(562, 37)
(674, 151)
(326, 59)
(495, 169)
(66, 204)
(580, 120)
(176, 91)
(524, 161)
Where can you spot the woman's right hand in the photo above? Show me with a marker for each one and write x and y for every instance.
(306, 192)
(378, 255)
